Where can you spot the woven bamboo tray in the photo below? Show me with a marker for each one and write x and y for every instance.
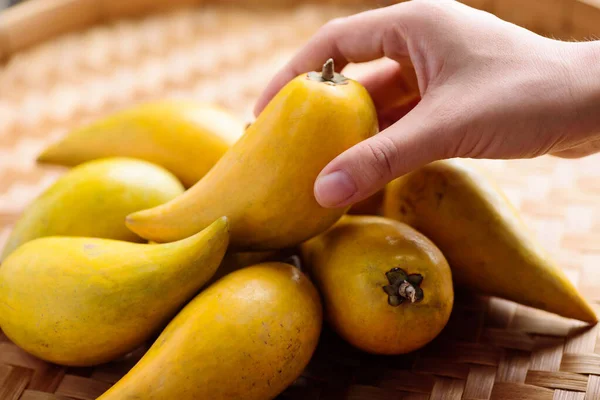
(117, 53)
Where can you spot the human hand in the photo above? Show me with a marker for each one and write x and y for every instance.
(488, 88)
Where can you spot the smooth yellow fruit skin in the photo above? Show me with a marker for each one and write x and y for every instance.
(93, 200)
(348, 263)
(248, 336)
(488, 246)
(264, 183)
(86, 301)
(185, 137)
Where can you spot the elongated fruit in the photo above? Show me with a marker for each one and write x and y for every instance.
(264, 183)
(387, 289)
(481, 234)
(93, 200)
(248, 336)
(185, 137)
(86, 301)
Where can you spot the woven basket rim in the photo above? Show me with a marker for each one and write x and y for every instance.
(36, 21)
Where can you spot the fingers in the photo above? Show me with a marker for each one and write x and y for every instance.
(367, 167)
(362, 37)
(393, 87)
(391, 84)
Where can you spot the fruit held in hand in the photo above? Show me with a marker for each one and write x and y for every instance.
(93, 200)
(248, 336)
(264, 183)
(386, 288)
(481, 234)
(184, 137)
(86, 301)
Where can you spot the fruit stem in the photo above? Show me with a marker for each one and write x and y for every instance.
(328, 70)
(328, 75)
(403, 286)
(407, 291)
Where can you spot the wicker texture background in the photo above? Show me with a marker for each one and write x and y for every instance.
(492, 349)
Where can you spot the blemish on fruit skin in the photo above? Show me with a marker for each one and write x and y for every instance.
(439, 197)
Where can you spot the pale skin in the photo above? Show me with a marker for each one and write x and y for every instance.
(488, 88)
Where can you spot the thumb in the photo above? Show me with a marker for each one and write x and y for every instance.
(368, 166)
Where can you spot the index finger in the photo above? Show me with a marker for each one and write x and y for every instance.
(362, 37)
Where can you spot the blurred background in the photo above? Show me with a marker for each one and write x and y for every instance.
(6, 3)
(65, 63)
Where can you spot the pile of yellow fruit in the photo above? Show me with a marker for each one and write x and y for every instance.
(237, 322)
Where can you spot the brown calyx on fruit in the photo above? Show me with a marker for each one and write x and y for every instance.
(328, 75)
(403, 286)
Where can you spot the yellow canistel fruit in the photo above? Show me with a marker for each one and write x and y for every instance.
(93, 200)
(86, 301)
(185, 137)
(386, 288)
(264, 183)
(488, 246)
(248, 336)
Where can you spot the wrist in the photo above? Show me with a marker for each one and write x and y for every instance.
(583, 78)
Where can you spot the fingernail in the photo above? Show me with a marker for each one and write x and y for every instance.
(334, 188)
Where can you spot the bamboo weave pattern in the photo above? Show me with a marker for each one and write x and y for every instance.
(491, 349)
